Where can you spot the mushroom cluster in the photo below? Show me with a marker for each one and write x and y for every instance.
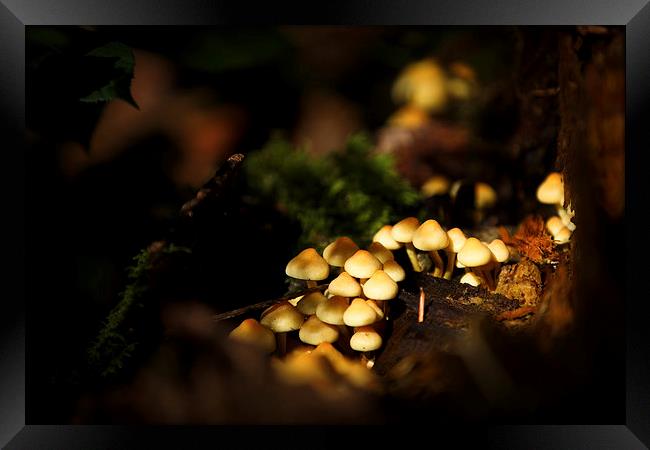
(551, 192)
(350, 312)
(481, 260)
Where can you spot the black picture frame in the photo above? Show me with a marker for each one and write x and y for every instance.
(16, 14)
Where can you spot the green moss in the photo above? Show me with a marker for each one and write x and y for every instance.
(117, 340)
(350, 192)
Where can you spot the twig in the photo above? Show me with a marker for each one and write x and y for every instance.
(421, 308)
(265, 304)
(516, 313)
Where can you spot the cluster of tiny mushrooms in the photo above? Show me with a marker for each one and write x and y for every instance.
(354, 307)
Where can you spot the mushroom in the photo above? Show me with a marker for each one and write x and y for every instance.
(500, 254)
(362, 265)
(384, 237)
(380, 252)
(365, 339)
(562, 236)
(402, 232)
(394, 270)
(456, 241)
(422, 84)
(430, 237)
(409, 117)
(339, 251)
(308, 265)
(250, 331)
(359, 313)
(475, 256)
(344, 285)
(282, 318)
(554, 224)
(376, 308)
(314, 331)
(381, 287)
(472, 279)
(332, 312)
(484, 197)
(309, 302)
(551, 192)
(435, 185)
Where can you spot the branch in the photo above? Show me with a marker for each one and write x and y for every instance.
(265, 304)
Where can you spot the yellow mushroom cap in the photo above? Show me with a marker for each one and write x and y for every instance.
(456, 240)
(554, 224)
(409, 116)
(308, 265)
(380, 286)
(365, 339)
(423, 84)
(474, 253)
(394, 270)
(385, 237)
(373, 304)
(403, 230)
(499, 250)
(472, 279)
(314, 331)
(344, 285)
(562, 236)
(551, 190)
(250, 331)
(359, 313)
(337, 252)
(380, 252)
(309, 302)
(484, 195)
(282, 318)
(430, 236)
(362, 264)
(332, 310)
(304, 368)
(435, 185)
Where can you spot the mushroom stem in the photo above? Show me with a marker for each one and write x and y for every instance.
(421, 306)
(368, 359)
(439, 266)
(487, 276)
(343, 330)
(311, 284)
(451, 262)
(411, 253)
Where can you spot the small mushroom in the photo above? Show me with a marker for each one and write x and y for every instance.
(435, 185)
(332, 312)
(309, 302)
(456, 241)
(402, 232)
(472, 279)
(362, 265)
(380, 252)
(500, 254)
(345, 286)
(485, 197)
(376, 308)
(430, 237)
(365, 339)
(384, 237)
(475, 256)
(562, 236)
(339, 251)
(380, 287)
(551, 192)
(554, 224)
(282, 318)
(250, 331)
(394, 270)
(359, 313)
(314, 331)
(308, 265)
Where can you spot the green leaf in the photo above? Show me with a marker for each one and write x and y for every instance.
(117, 84)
